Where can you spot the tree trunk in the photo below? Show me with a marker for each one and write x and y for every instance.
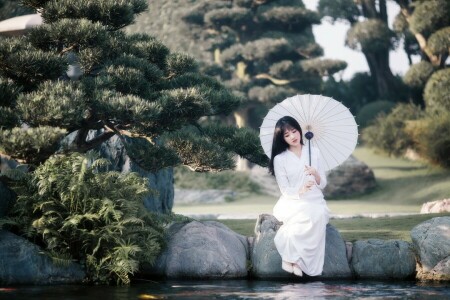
(381, 72)
(241, 118)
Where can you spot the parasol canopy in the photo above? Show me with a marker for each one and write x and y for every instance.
(333, 127)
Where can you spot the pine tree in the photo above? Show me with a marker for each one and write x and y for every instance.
(129, 85)
(265, 50)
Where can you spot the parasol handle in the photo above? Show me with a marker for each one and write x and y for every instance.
(309, 135)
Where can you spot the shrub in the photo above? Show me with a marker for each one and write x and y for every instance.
(370, 111)
(97, 218)
(432, 138)
(437, 92)
(418, 75)
(388, 131)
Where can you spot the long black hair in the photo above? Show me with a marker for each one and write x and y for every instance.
(279, 144)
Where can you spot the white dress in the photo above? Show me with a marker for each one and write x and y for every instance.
(301, 238)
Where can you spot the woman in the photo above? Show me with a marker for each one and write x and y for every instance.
(301, 207)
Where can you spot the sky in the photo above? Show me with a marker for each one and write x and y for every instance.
(332, 39)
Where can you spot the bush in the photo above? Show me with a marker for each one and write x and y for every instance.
(388, 131)
(370, 111)
(418, 75)
(96, 218)
(437, 92)
(432, 138)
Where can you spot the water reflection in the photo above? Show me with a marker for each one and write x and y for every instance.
(237, 289)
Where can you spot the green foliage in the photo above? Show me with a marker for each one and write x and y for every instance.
(11, 9)
(96, 218)
(370, 36)
(259, 46)
(130, 85)
(429, 16)
(343, 9)
(437, 92)
(439, 42)
(323, 67)
(35, 65)
(388, 132)
(371, 111)
(418, 75)
(288, 18)
(112, 13)
(31, 144)
(59, 103)
(432, 137)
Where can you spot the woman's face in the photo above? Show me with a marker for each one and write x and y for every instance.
(292, 136)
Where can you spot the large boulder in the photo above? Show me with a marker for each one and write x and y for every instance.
(382, 259)
(206, 249)
(266, 261)
(438, 206)
(431, 240)
(352, 177)
(7, 198)
(23, 262)
(161, 181)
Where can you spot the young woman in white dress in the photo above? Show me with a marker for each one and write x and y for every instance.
(301, 207)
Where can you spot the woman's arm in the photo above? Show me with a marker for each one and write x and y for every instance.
(287, 189)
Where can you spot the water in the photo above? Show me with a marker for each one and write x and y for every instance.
(236, 289)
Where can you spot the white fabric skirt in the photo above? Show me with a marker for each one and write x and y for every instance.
(301, 238)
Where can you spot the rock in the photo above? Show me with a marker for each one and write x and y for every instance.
(7, 198)
(382, 259)
(336, 263)
(350, 178)
(266, 261)
(353, 177)
(191, 196)
(23, 263)
(202, 250)
(438, 206)
(431, 241)
(161, 181)
(441, 272)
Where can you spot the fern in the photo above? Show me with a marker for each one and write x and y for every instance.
(76, 212)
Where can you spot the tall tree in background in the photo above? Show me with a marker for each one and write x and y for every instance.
(371, 36)
(265, 50)
(131, 86)
(428, 22)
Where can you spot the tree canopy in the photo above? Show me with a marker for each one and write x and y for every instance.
(129, 85)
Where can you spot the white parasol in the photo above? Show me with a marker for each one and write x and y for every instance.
(326, 124)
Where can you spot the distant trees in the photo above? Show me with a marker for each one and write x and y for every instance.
(425, 24)
(370, 34)
(265, 50)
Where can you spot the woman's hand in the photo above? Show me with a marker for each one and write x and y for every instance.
(309, 170)
(308, 185)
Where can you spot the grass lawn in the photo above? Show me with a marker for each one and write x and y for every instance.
(403, 186)
(357, 228)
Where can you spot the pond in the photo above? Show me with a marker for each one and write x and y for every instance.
(236, 289)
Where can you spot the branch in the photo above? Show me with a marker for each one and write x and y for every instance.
(81, 145)
(434, 59)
